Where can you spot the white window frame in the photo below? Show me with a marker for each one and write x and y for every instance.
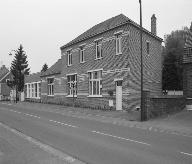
(118, 43)
(82, 54)
(97, 81)
(50, 87)
(39, 89)
(69, 58)
(98, 46)
(32, 90)
(70, 83)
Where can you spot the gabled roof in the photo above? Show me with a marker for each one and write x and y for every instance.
(35, 77)
(54, 69)
(105, 26)
(3, 72)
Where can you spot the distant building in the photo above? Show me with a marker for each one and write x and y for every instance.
(106, 59)
(4, 88)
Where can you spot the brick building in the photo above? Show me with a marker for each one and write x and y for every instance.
(51, 82)
(104, 61)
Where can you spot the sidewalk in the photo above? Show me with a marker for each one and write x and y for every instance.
(179, 123)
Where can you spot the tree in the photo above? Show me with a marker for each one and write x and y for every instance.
(172, 63)
(44, 68)
(19, 68)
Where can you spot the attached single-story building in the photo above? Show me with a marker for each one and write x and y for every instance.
(33, 87)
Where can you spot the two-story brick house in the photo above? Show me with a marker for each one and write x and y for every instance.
(106, 59)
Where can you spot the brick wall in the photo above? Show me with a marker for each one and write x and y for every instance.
(158, 106)
(126, 66)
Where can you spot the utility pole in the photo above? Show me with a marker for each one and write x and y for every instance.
(141, 50)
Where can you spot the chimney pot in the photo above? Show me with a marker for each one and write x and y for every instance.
(153, 25)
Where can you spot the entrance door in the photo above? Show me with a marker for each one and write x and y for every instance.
(119, 95)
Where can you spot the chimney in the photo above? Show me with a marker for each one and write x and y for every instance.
(153, 25)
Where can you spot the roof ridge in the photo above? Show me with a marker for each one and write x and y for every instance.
(82, 37)
(54, 69)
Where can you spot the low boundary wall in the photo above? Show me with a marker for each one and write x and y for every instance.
(162, 105)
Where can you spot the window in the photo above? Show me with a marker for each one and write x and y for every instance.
(95, 83)
(69, 58)
(39, 89)
(98, 50)
(50, 82)
(148, 47)
(118, 44)
(81, 55)
(72, 84)
(29, 90)
(32, 90)
(35, 88)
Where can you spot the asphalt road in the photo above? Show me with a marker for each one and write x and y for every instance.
(94, 142)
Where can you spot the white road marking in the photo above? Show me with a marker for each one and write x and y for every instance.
(127, 139)
(186, 154)
(46, 148)
(61, 123)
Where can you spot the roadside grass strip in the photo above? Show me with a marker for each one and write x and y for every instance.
(68, 159)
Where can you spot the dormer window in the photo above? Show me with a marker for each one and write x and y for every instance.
(69, 58)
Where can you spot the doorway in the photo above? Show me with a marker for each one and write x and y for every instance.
(118, 94)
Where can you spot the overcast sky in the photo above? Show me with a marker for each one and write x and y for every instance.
(43, 26)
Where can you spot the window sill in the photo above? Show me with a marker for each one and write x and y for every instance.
(69, 65)
(32, 97)
(98, 58)
(95, 96)
(119, 53)
(71, 96)
(82, 62)
(50, 95)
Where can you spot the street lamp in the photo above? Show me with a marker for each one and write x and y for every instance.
(141, 51)
(10, 54)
